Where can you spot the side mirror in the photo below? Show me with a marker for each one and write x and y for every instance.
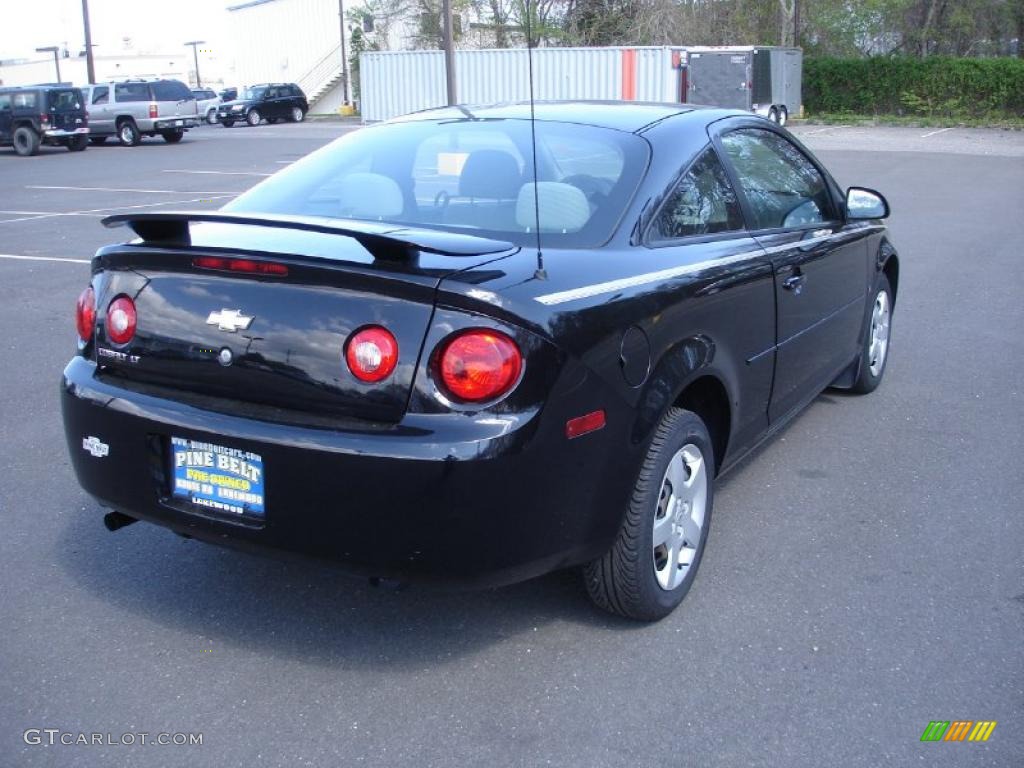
(865, 204)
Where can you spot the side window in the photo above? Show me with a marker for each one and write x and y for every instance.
(783, 187)
(702, 203)
(5, 101)
(25, 100)
(131, 92)
(100, 94)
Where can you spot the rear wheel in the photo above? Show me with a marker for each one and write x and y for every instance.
(26, 141)
(654, 560)
(97, 141)
(254, 117)
(783, 116)
(128, 134)
(773, 115)
(875, 347)
(173, 137)
(211, 117)
(78, 143)
(298, 115)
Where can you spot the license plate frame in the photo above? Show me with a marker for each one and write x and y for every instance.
(217, 478)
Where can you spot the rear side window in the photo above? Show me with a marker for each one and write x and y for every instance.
(782, 186)
(25, 100)
(702, 203)
(171, 90)
(5, 101)
(131, 92)
(100, 94)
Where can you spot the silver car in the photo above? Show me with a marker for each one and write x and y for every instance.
(132, 109)
(207, 102)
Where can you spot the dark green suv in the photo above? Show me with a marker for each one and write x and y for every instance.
(269, 101)
(43, 114)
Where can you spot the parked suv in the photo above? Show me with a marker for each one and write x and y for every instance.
(207, 102)
(43, 114)
(269, 101)
(132, 109)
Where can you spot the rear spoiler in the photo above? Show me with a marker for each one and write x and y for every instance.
(389, 242)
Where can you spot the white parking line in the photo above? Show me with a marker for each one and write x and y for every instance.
(105, 211)
(823, 130)
(140, 191)
(42, 258)
(219, 173)
(932, 133)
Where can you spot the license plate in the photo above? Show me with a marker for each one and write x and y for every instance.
(214, 477)
(178, 123)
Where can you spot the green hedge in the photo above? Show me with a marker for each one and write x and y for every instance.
(933, 86)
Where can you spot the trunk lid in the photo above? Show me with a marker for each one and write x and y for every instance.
(272, 340)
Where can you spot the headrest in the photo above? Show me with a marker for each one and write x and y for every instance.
(563, 207)
(490, 173)
(370, 196)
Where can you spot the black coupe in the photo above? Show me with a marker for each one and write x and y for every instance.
(470, 346)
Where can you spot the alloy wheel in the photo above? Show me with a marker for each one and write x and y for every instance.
(679, 518)
(878, 347)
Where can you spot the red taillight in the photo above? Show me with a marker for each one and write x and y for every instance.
(154, 111)
(45, 120)
(480, 365)
(247, 266)
(121, 320)
(372, 354)
(85, 313)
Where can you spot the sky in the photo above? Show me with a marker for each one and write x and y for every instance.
(153, 26)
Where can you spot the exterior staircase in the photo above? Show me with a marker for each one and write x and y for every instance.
(322, 76)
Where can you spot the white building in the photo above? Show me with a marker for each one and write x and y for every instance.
(117, 67)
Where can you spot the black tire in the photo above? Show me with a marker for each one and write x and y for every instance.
(297, 115)
(211, 117)
(26, 141)
(228, 123)
(173, 137)
(97, 141)
(128, 133)
(773, 115)
(868, 380)
(78, 143)
(254, 117)
(624, 580)
(783, 116)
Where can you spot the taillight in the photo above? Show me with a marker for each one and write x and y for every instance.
(247, 266)
(44, 120)
(85, 313)
(479, 365)
(153, 111)
(372, 354)
(121, 320)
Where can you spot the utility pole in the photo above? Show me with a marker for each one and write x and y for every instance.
(796, 23)
(55, 50)
(449, 50)
(195, 58)
(90, 67)
(344, 56)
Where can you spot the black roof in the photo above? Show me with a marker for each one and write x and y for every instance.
(631, 116)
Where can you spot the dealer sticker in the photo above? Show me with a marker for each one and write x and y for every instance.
(218, 478)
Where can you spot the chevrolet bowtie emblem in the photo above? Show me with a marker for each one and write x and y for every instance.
(229, 320)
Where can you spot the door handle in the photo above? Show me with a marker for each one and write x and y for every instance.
(795, 283)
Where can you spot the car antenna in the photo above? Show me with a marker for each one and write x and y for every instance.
(540, 274)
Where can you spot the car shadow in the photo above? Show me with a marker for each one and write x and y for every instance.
(306, 609)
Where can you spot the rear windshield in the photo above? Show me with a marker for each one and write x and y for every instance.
(171, 90)
(66, 101)
(468, 175)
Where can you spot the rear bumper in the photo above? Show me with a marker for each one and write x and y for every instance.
(173, 123)
(440, 497)
(60, 133)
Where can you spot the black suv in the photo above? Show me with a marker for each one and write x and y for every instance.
(43, 114)
(269, 101)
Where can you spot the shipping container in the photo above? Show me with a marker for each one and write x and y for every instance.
(395, 83)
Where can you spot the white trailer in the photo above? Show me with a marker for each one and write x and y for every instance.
(395, 83)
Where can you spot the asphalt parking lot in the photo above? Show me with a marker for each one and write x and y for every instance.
(864, 574)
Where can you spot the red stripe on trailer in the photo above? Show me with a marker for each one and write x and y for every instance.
(629, 74)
